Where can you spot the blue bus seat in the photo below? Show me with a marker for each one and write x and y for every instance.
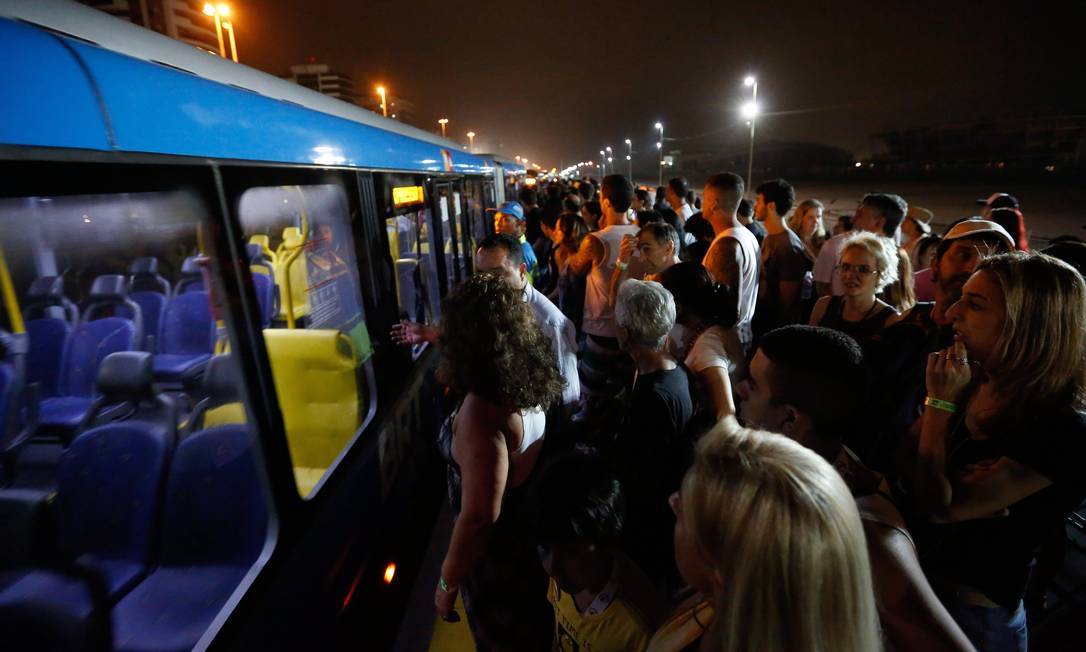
(260, 252)
(262, 269)
(192, 278)
(186, 337)
(143, 276)
(222, 402)
(86, 347)
(109, 488)
(150, 292)
(45, 298)
(49, 318)
(18, 402)
(215, 521)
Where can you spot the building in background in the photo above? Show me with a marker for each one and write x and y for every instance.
(398, 108)
(324, 79)
(183, 20)
(1030, 144)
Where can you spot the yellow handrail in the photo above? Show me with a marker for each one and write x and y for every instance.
(293, 254)
(10, 300)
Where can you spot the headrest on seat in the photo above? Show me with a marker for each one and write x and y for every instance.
(109, 287)
(221, 379)
(47, 288)
(255, 252)
(125, 372)
(191, 266)
(147, 266)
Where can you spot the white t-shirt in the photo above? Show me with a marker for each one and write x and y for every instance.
(599, 314)
(709, 351)
(563, 336)
(825, 267)
(748, 276)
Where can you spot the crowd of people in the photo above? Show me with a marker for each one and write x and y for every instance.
(708, 422)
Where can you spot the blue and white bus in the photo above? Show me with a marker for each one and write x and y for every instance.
(208, 439)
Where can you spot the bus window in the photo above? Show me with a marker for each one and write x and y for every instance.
(320, 357)
(141, 429)
(409, 241)
(448, 211)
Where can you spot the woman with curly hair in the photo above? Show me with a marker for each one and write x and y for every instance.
(495, 356)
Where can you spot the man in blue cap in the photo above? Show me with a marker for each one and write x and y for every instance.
(510, 220)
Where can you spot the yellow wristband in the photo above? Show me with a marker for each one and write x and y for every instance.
(939, 404)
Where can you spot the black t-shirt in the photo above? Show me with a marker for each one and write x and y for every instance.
(993, 555)
(652, 454)
(758, 230)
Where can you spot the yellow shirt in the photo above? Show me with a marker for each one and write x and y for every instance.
(685, 627)
(626, 624)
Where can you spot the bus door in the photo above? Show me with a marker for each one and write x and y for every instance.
(446, 213)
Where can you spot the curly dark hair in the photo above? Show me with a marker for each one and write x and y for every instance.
(491, 345)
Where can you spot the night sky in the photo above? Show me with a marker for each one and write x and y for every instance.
(558, 82)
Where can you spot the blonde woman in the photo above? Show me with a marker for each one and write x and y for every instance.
(1003, 437)
(901, 294)
(806, 221)
(769, 530)
(868, 263)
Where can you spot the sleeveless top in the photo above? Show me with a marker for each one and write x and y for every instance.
(748, 278)
(599, 315)
(534, 425)
(862, 331)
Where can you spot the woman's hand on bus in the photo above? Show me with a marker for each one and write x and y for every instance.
(408, 333)
(948, 373)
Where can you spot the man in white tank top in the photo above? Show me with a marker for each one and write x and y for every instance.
(733, 258)
(605, 369)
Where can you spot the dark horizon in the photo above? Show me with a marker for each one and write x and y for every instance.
(536, 82)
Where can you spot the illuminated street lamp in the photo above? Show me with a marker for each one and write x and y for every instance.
(443, 122)
(213, 11)
(471, 141)
(603, 163)
(629, 159)
(750, 112)
(384, 104)
(660, 155)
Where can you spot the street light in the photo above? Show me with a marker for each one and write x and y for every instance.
(471, 141)
(443, 122)
(384, 104)
(212, 10)
(750, 112)
(629, 159)
(660, 155)
(603, 163)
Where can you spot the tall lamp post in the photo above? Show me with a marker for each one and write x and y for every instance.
(218, 14)
(660, 155)
(603, 164)
(750, 112)
(610, 159)
(384, 104)
(471, 141)
(629, 159)
(443, 122)
(228, 25)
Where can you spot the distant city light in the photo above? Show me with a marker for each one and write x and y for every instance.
(859, 165)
